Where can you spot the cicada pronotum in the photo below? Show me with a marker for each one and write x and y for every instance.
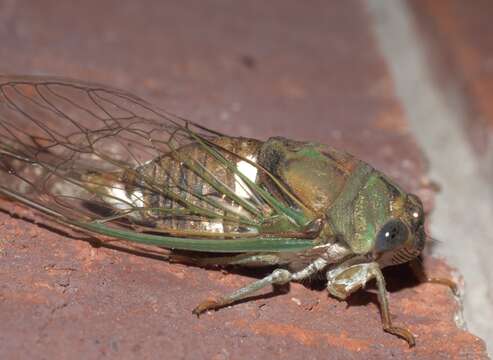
(107, 162)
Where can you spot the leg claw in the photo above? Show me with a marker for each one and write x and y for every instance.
(403, 334)
(209, 304)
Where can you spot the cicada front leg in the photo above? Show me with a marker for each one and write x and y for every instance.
(277, 277)
(342, 281)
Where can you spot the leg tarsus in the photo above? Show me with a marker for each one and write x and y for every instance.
(278, 277)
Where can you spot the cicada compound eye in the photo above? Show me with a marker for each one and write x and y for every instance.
(393, 234)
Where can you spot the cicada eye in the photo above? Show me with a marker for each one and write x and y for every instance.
(391, 235)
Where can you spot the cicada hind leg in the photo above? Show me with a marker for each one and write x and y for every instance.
(277, 277)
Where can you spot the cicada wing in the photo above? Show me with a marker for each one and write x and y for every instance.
(81, 152)
(55, 132)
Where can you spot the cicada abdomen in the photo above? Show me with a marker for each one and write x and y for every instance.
(189, 189)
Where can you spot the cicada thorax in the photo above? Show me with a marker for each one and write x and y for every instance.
(315, 173)
(323, 178)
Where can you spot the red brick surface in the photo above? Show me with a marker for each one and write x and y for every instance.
(246, 68)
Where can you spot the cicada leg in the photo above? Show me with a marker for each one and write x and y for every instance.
(418, 270)
(277, 277)
(343, 281)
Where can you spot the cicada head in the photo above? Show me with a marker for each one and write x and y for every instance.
(402, 237)
(385, 223)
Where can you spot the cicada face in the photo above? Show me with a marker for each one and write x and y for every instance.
(387, 223)
(401, 238)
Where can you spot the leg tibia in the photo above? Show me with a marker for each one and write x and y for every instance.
(277, 277)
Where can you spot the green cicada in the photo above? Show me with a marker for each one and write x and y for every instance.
(105, 161)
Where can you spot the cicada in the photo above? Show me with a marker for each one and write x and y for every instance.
(104, 161)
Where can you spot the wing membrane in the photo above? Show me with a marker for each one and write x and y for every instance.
(82, 153)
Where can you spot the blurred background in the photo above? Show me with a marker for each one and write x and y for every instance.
(404, 85)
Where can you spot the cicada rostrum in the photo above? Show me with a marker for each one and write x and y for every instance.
(104, 161)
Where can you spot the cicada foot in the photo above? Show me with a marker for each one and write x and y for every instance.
(403, 333)
(209, 304)
(278, 277)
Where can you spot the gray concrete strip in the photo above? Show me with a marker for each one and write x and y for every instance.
(462, 219)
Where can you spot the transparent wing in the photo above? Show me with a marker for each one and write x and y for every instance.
(106, 160)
